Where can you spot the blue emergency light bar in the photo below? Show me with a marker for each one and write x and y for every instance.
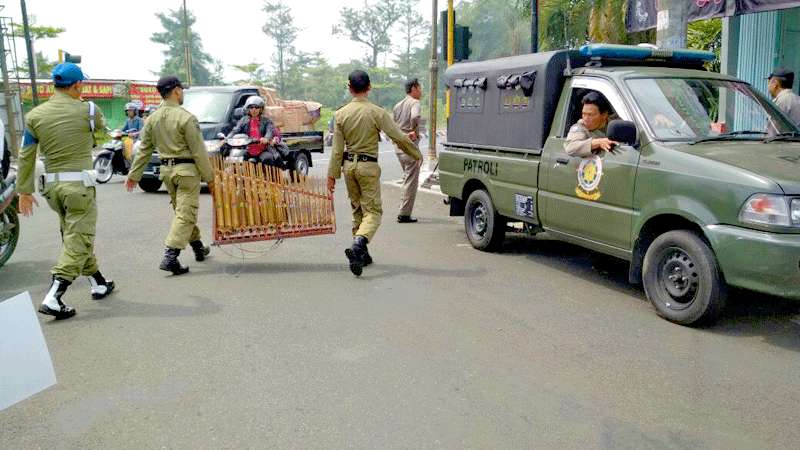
(641, 52)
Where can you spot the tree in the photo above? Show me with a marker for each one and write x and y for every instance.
(607, 24)
(173, 37)
(255, 73)
(499, 27)
(280, 27)
(44, 66)
(370, 26)
(707, 35)
(413, 27)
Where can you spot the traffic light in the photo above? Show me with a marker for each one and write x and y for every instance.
(461, 44)
(66, 57)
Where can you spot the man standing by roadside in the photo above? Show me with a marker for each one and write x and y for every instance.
(62, 130)
(357, 128)
(184, 164)
(407, 115)
(780, 88)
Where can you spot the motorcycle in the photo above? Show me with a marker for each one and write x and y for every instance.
(235, 149)
(9, 220)
(111, 160)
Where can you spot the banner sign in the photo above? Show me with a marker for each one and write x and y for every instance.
(642, 14)
(145, 93)
(90, 90)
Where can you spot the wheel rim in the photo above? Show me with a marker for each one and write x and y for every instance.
(678, 278)
(302, 166)
(8, 229)
(104, 172)
(479, 221)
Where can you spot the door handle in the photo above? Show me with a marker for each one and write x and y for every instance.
(562, 160)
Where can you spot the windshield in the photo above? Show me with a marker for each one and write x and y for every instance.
(685, 109)
(208, 107)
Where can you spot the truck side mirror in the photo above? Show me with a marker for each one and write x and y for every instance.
(622, 131)
(238, 113)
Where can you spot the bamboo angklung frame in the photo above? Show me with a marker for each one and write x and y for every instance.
(255, 202)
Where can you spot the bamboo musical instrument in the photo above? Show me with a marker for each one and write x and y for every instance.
(253, 202)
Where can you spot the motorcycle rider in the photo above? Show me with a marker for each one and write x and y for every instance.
(267, 147)
(134, 124)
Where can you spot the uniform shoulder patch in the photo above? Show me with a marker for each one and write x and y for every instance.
(28, 138)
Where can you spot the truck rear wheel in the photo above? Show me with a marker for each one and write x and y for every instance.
(301, 164)
(485, 228)
(682, 279)
(150, 184)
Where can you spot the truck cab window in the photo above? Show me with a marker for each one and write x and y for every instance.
(575, 107)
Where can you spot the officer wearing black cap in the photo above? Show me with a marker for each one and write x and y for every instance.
(184, 164)
(780, 85)
(62, 131)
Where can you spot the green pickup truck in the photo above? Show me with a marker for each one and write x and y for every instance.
(702, 192)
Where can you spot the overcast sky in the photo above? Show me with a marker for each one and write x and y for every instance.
(119, 47)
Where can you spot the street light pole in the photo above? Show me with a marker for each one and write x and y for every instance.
(534, 26)
(29, 45)
(187, 45)
(433, 97)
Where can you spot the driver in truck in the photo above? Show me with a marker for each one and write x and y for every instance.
(267, 141)
(588, 136)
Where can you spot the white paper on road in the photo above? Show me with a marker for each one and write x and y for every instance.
(25, 365)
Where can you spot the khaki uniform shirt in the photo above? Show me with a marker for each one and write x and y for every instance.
(357, 127)
(176, 133)
(789, 103)
(407, 114)
(579, 140)
(60, 130)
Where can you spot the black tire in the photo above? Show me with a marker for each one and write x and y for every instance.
(150, 184)
(486, 229)
(9, 233)
(682, 279)
(301, 164)
(5, 161)
(104, 168)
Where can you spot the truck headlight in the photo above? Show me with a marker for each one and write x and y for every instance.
(765, 209)
(796, 211)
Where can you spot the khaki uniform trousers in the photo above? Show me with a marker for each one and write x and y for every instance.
(363, 180)
(408, 194)
(77, 213)
(183, 185)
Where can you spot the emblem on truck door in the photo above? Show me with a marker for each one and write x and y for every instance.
(590, 172)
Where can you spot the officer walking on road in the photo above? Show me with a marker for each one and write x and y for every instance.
(357, 129)
(62, 130)
(407, 115)
(184, 164)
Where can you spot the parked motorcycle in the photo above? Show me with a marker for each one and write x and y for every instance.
(111, 160)
(9, 220)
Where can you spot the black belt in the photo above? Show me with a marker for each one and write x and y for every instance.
(176, 161)
(353, 157)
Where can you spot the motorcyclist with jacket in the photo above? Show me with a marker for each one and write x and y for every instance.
(267, 146)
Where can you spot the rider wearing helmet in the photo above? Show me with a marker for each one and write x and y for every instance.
(149, 109)
(267, 146)
(134, 124)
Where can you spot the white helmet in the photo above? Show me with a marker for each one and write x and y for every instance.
(131, 106)
(255, 100)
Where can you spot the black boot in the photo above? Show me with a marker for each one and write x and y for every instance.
(200, 251)
(170, 262)
(367, 257)
(355, 255)
(101, 287)
(52, 304)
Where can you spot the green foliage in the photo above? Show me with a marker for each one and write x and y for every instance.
(707, 35)
(173, 37)
(255, 73)
(414, 28)
(44, 66)
(280, 27)
(499, 27)
(370, 26)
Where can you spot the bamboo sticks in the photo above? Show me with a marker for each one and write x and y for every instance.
(255, 202)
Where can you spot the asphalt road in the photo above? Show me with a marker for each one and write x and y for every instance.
(437, 346)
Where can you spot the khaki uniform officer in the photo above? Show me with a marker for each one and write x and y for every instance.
(184, 164)
(62, 131)
(407, 115)
(588, 136)
(357, 128)
(780, 86)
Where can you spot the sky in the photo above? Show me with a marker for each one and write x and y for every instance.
(113, 36)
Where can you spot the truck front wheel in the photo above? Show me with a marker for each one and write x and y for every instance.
(682, 279)
(485, 227)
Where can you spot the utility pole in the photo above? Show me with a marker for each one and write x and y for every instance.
(433, 96)
(672, 24)
(29, 45)
(534, 26)
(8, 95)
(451, 49)
(187, 45)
